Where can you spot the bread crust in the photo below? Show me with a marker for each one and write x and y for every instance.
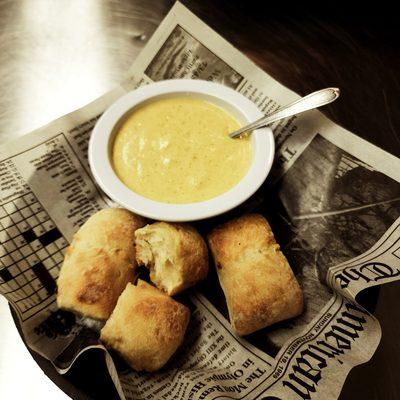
(258, 283)
(188, 253)
(99, 263)
(146, 327)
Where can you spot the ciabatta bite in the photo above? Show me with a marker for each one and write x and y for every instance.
(99, 263)
(146, 327)
(176, 255)
(258, 283)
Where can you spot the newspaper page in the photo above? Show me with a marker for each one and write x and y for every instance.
(333, 201)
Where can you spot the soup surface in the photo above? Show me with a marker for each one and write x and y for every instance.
(177, 150)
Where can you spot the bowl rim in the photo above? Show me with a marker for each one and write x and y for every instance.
(105, 176)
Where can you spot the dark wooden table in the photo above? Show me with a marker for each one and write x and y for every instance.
(305, 50)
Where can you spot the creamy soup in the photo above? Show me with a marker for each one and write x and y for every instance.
(177, 150)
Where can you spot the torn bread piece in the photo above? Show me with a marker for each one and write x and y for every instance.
(258, 283)
(176, 255)
(99, 263)
(146, 327)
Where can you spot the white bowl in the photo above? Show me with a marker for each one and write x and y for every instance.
(235, 103)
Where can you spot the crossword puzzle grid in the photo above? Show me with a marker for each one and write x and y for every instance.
(31, 253)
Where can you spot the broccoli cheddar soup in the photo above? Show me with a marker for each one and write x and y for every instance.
(177, 150)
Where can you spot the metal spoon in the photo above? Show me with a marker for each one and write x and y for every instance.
(309, 102)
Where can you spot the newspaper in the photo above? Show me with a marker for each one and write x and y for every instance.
(332, 199)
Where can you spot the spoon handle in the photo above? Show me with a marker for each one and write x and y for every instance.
(309, 102)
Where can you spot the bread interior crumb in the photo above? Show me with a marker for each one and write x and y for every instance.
(156, 251)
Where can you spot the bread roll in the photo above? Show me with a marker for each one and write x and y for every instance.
(99, 263)
(146, 327)
(258, 283)
(176, 255)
